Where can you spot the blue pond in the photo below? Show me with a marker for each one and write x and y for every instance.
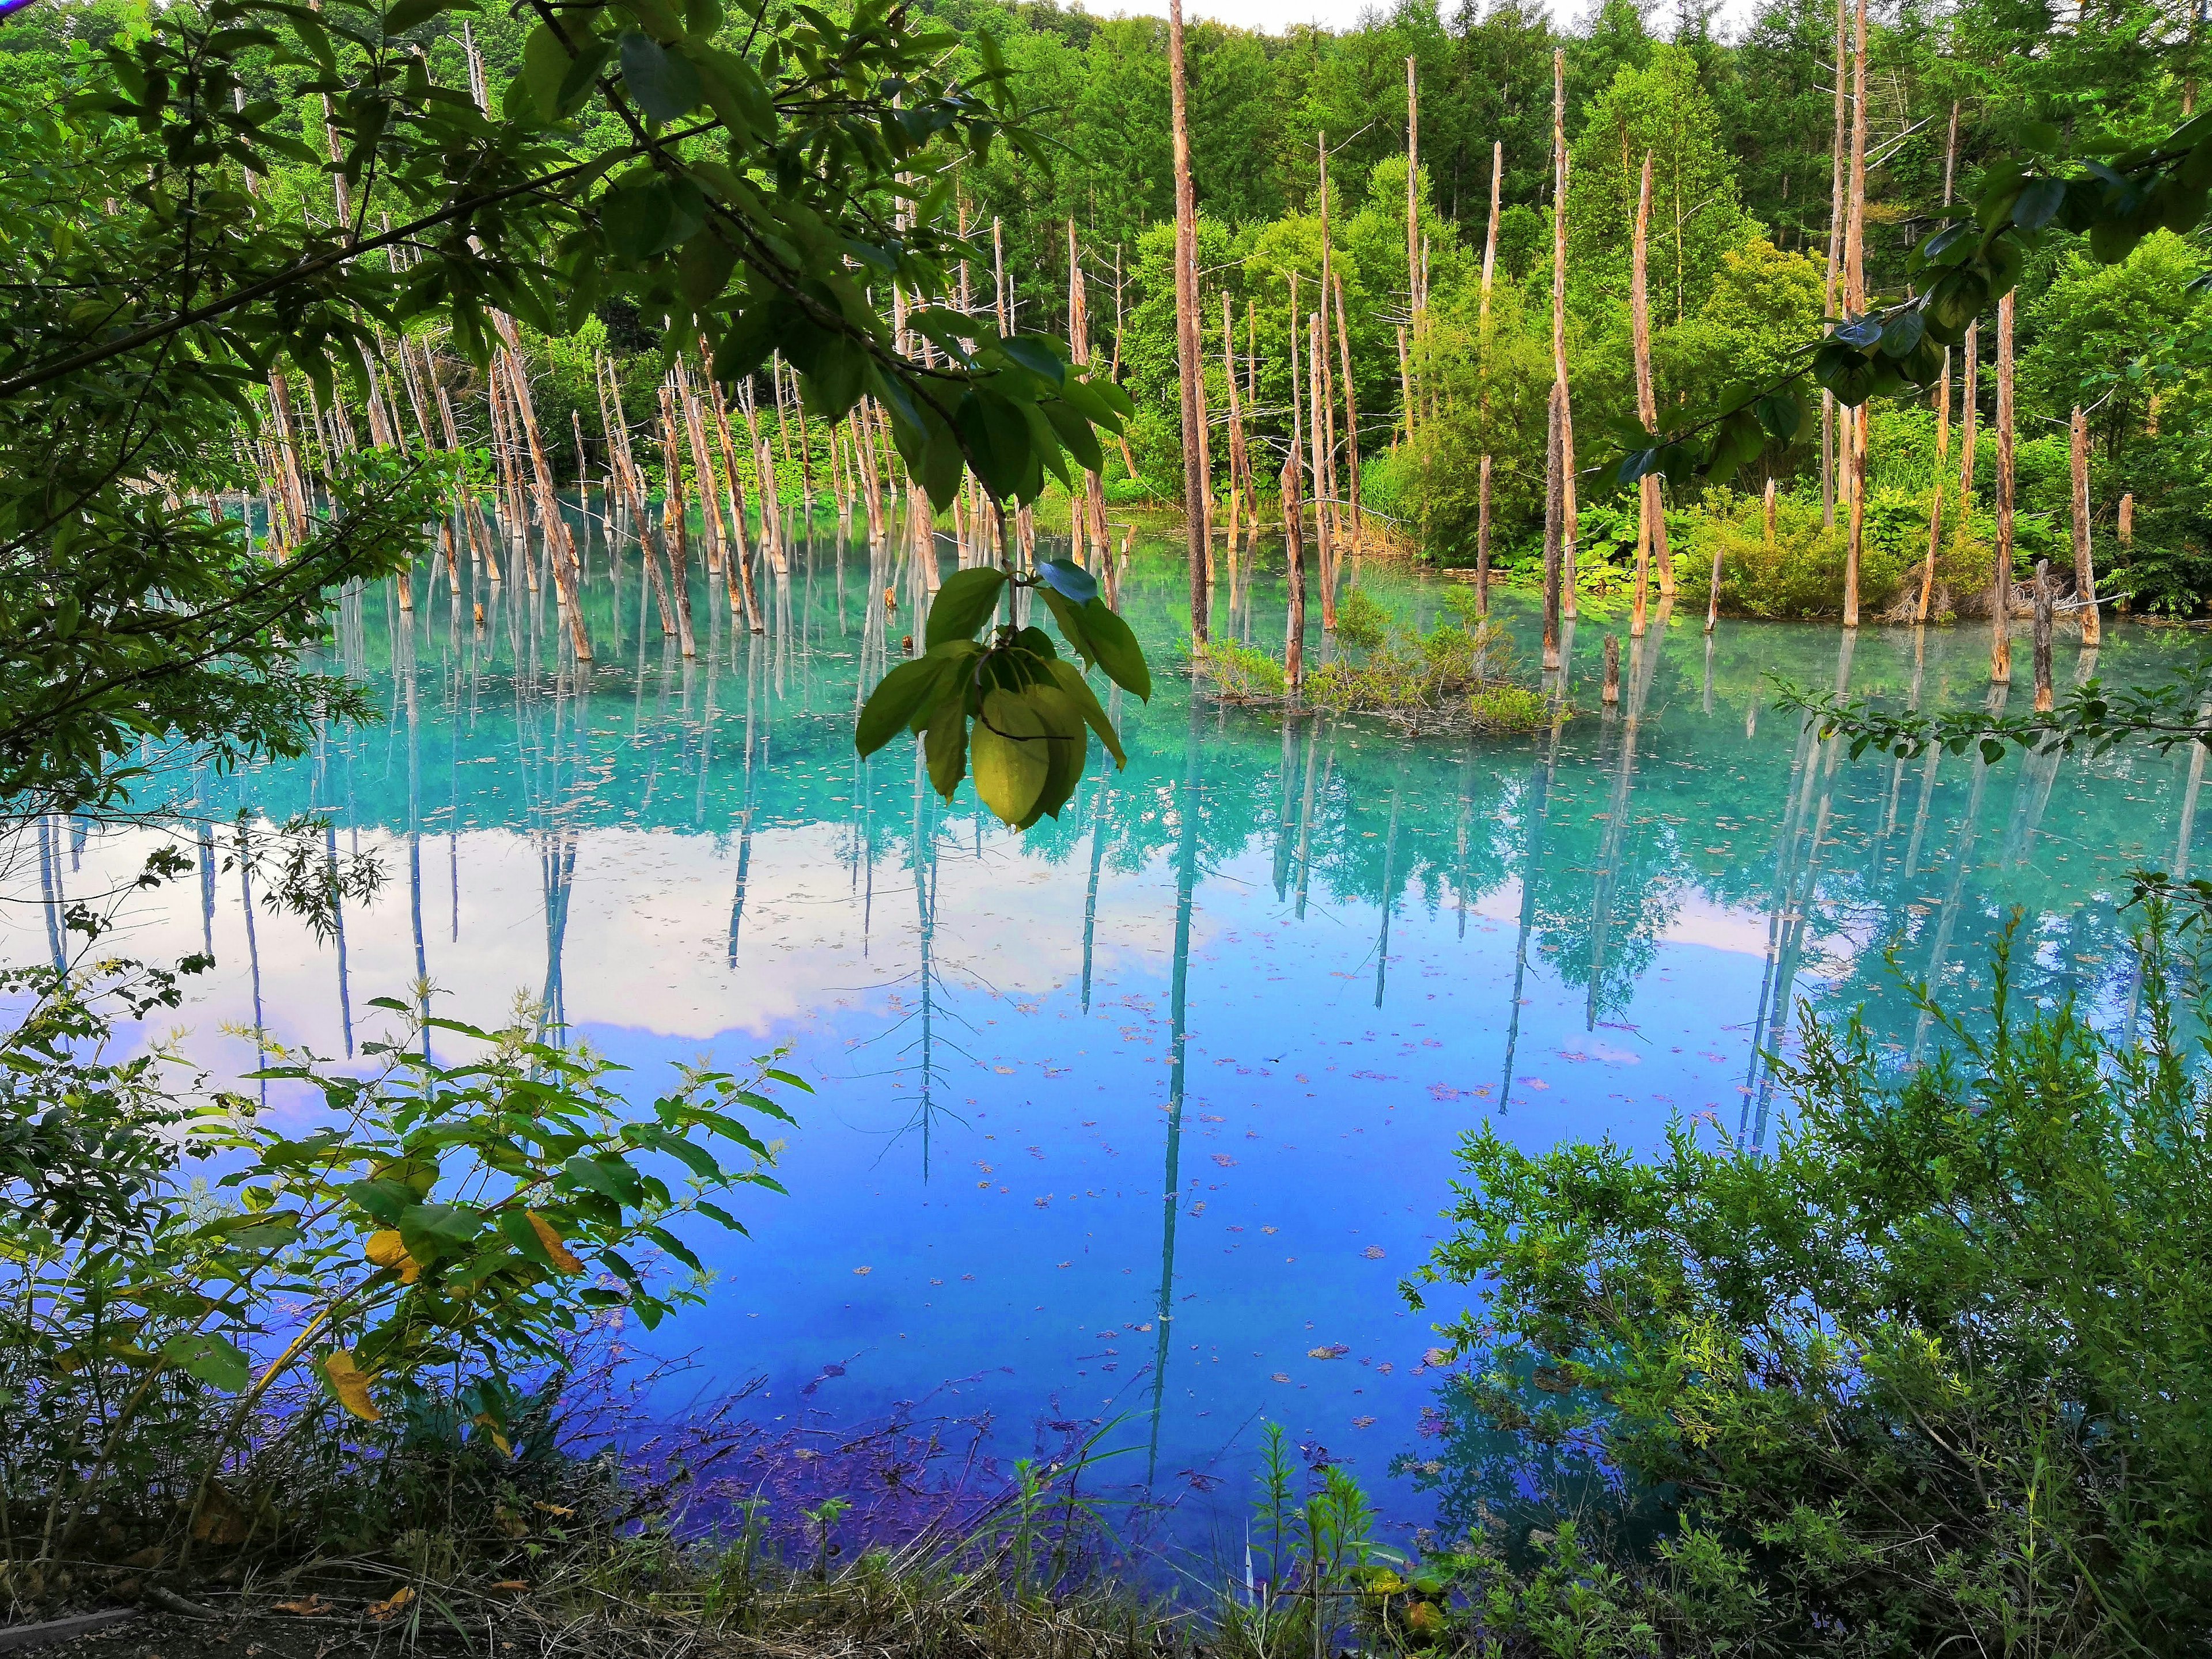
(1133, 1124)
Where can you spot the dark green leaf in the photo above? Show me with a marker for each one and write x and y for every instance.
(963, 605)
(1118, 651)
(664, 85)
(893, 702)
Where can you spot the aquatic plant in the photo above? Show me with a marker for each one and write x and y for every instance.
(1456, 671)
(1239, 673)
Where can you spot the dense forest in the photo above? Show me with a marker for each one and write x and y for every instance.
(1293, 133)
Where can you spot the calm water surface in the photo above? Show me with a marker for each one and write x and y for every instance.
(1137, 1121)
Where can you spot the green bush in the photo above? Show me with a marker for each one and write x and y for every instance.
(1928, 1377)
(1801, 573)
(1239, 673)
(1457, 670)
(426, 1239)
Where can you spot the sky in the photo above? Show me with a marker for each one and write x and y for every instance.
(1273, 16)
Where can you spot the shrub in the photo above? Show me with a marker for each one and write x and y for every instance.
(1801, 573)
(420, 1247)
(1238, 672)
(1928, 1377)
(1456, 671)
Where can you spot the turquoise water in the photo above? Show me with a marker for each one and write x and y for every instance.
(1133, 1124)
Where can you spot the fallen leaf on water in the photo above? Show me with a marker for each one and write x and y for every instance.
(1330, 1351)
(1373, 1253)
(1437, 1357)
(1363, 1422)
(864, 1270)
(1282, 1376)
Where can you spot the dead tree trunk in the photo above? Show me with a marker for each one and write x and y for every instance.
(1561, 467)
(2001, 573)
(1187, 346)
(1294, 641)
(1482, 404)
(2085, 568)
(1942, 409)
(1351, 416)
(1647, 400)
(1855, 301)
(1835, 254)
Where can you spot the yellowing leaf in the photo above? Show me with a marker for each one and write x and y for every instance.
(350, 1384)
(392, 1604)
(384, 1250)
(563, 1258)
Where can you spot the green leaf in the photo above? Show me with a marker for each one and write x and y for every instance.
(580, 78)
(703, 266)
(2038, 202)
(1010, 755)
(216, 1361)
(733, 90)
(746, 344)
(665, 86)
(609, 1177)
(637, 218)
(1069, 615)
(1043, 358)
(1066, 577)
(944, 746)
(514, 1227)
(998, 439)
(943, 465)
(963, 605)
(431, 1230)
(1117, 649)
(897, 697)
(1070, 680)
(1075, 434)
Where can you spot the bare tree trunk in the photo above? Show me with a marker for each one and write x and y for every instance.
(1482, 540)
(1327, 499)
(1482, 396)
(1404, 384)
(1647, 401)
(2001, 574)
(1970, 416)
(1351, 415)
(1240, 462)
(1294, 643)
(1554, 529)
(675, 526)
(737, 564)
(1187, 346)
(2085, 568)
(1094, 488)
(2043, 700)
(1942, 408)
(1414, 297)
(1317, 439)
(1835, 253)
(1560, 461)
(1854, 301)
(561, 553)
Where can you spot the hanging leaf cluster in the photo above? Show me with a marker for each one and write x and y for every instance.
(1007, 707)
